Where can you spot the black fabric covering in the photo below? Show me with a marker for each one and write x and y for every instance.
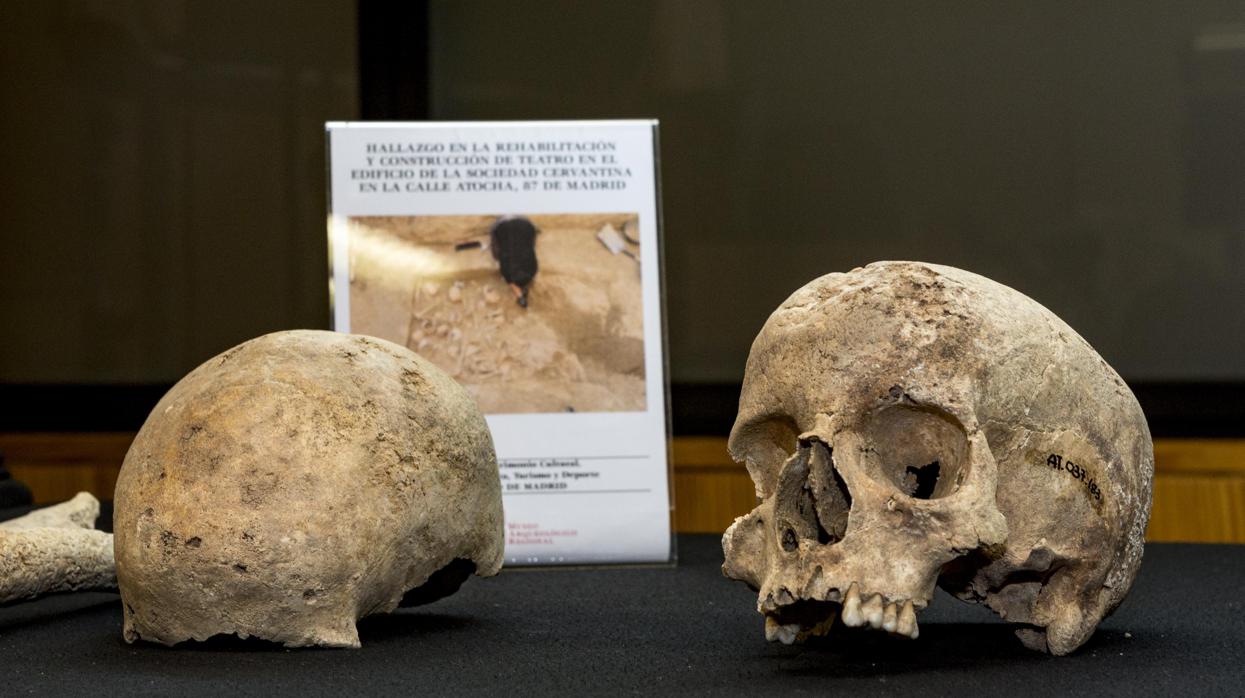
(513, 241)
(662, 630)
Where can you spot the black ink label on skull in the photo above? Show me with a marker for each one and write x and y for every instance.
(1057, 461)
(1069, 467)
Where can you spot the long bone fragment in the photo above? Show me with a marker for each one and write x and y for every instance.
(79, 512)
(55, 550)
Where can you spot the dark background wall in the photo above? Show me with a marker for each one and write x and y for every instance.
(162, 185)
(1088, 154)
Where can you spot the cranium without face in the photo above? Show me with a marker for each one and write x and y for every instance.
(298, 482)
(908, 424)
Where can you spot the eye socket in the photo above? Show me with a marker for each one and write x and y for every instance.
(921, 481)
(921, 451)
(771, 439)
(765, 443)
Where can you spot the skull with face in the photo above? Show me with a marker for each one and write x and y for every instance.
(909, 424)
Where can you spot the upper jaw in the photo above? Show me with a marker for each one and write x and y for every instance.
(789, 619)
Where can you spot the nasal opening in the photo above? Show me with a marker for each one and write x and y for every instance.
(813, 501)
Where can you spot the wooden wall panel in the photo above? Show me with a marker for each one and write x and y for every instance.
(58, 466)
(1199, 486)
(1199, 491)
(710, 490)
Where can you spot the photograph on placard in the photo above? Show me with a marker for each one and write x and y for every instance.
(531, 313)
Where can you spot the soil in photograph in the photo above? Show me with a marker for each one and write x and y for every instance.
(578, 346)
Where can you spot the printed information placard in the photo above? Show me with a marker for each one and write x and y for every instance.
(523, 259)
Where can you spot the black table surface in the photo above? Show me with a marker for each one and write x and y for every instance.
(673, 629)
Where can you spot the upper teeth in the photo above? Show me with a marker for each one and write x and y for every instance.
(890, 618)
(786, 634)
(874, 611)
(907, 622)
(898, 617)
